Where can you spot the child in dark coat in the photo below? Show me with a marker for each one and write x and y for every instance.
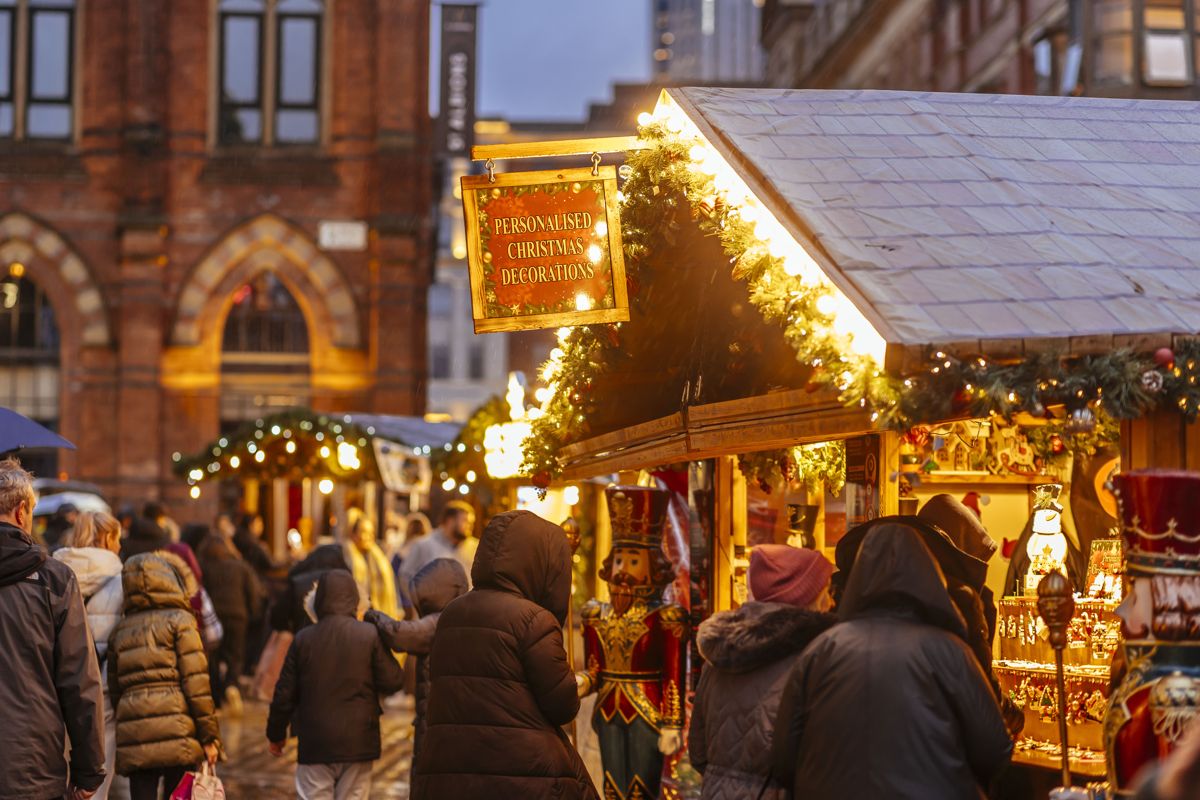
(432, 589)
(329, 692)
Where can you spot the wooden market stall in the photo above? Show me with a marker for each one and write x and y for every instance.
(301, 469)
(824, 266)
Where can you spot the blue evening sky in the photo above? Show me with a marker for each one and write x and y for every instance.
(547, 59)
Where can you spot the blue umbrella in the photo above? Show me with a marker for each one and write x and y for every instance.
(18, 432)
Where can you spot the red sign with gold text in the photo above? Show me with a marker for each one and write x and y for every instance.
(544, 249)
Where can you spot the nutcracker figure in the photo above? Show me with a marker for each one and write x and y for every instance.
(1160, 617)
(634, 649)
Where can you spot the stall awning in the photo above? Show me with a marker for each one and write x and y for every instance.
(300, 443)
(980, 222)
(409, 431)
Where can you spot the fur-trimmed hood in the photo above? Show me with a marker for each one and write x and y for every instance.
(757, 634)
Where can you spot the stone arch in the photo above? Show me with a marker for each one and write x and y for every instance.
(61, 272)
(267, 243)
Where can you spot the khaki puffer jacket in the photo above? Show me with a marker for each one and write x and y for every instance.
(157, 672)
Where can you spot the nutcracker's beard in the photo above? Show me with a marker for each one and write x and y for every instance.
(1176, 607)
(624, 590)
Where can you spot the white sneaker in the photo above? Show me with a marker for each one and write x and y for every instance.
(233, 701)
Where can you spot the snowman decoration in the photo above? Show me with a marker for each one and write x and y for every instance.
(1047, 547)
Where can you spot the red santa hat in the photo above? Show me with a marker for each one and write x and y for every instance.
(971, 500)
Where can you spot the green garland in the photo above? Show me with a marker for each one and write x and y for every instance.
(465, 453)
(313, 439)
(1056, 441)
(1122, 384)
(817, 466)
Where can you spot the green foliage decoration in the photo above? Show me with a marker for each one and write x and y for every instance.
(1044, 439)
(815, 466)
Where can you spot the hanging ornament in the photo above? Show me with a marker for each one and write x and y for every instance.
(542, 479)
(1082, 420)
(1152, 381)
(1164, 357)
(1056, 445)
(787, 465)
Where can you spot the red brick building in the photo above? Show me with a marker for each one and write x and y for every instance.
(1102, 48)
(169, 173)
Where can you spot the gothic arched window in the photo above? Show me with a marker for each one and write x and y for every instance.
(264, 360)
(29, 359)
(265, 318)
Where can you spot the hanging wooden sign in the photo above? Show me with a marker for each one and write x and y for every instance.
(544, 249)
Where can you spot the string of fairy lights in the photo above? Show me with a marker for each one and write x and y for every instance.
(293, 444)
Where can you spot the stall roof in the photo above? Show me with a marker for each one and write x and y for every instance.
(956, 218)
(410, 431)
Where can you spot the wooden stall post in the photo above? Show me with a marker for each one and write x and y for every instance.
(729, 533)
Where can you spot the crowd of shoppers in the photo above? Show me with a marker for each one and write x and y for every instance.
(872, 680)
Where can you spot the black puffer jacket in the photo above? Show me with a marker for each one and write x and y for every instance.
(501, 685)
(50, 689)
(750, 653)
(331, 681)
(433, 587)
(890, 703)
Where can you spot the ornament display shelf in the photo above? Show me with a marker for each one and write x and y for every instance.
(1037, 753)
(943, 477)
(1069, 670)
(1026, 672)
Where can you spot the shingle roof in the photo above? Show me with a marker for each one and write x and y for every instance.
(956, 217)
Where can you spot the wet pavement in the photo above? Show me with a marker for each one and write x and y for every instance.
(253, 773)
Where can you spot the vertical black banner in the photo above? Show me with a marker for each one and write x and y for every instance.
(456, 132)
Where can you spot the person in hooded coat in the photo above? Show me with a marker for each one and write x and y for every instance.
(50, 690)
(966, 531)
(890, 702)
(433, 587)
(750, 652)
(158, 678)
(328, 691)
(966, 577)
(500, 684)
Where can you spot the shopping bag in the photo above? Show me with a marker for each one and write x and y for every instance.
(207, 785)
(270, 664)
(184, 790)
(202, 785)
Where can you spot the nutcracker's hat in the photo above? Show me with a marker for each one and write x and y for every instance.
(1160, 520)
(638, 514)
